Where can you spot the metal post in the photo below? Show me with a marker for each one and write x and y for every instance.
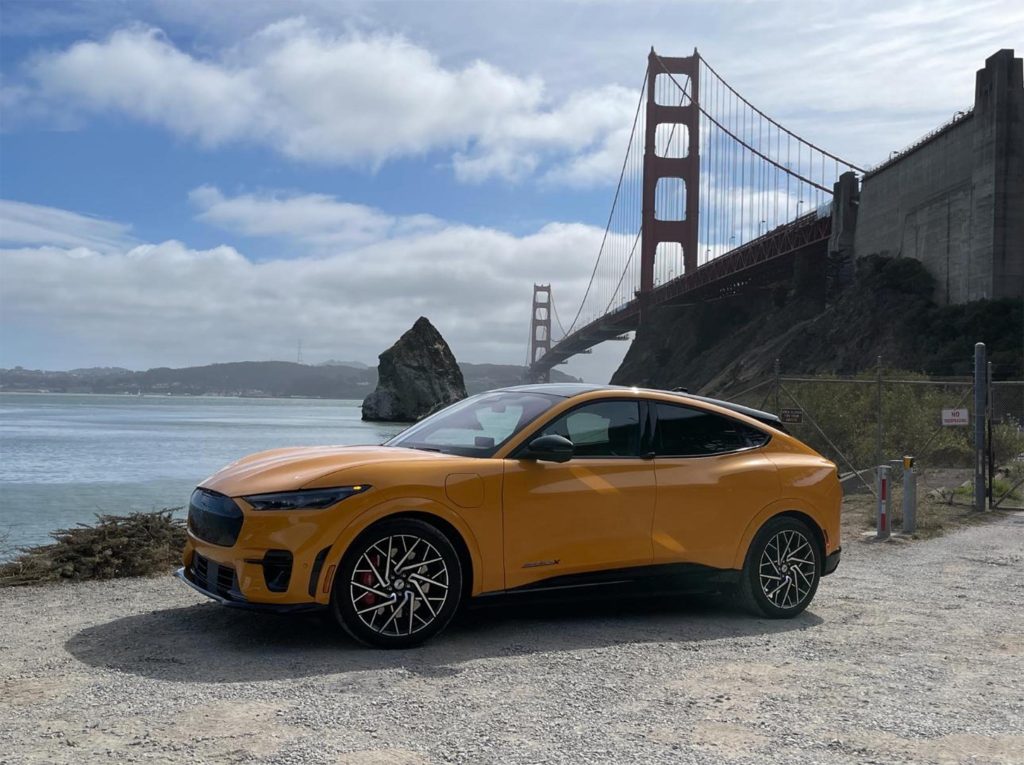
(909, 496)
(878, 411)
(979, 426)
(884, 502)
(989, 412)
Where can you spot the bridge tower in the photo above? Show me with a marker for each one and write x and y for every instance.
(540, 327)
(686, 113)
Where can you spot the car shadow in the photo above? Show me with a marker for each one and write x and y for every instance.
(209, 643)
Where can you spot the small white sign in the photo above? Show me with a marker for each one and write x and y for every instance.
(955, 417)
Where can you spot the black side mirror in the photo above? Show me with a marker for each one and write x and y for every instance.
(550, 448)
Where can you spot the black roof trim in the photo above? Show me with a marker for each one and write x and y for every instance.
(755, 414)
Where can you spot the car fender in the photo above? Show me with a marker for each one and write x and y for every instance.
(387, 509)
(778, 507)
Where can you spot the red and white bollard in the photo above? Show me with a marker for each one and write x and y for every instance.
(884, 514)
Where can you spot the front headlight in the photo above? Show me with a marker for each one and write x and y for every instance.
(307, 499)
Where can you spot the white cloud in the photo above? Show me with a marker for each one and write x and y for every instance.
(859, 89)
(168, 304)
(585, 136)
(324, 98)
(22, 224)
(314, 219)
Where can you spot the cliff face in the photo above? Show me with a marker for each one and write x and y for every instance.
(724, 346)
(415, 376)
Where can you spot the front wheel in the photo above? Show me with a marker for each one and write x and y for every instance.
(398, 584)
(782, 570)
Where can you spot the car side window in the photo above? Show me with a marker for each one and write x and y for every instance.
(600, 429)
(687, 432)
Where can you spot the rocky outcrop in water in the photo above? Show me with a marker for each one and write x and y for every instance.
(416, 375)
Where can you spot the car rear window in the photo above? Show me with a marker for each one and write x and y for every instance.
(683, 431)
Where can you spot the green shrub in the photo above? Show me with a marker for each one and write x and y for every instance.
(846, 410)
(1007, 441)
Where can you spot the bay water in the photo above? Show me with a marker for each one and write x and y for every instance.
(65, 458)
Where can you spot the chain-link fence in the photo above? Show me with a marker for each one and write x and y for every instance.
(879, 417)
(1006, 452)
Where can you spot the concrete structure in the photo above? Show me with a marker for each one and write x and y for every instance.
(845, 206)
(955, 199)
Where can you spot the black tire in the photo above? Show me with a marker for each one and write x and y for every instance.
(782, 569)
(380, 608)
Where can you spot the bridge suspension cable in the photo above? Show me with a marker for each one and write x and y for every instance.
(628, 181)
(558, 320)
(783, 128)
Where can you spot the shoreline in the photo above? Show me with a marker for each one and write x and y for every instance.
(219, 396)
(66, 456)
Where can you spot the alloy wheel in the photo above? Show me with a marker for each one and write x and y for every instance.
(399, 585)
(787, 570)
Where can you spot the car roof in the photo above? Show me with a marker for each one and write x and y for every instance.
(563, 390)
(568, 390)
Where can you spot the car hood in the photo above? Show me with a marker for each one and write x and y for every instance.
(295, 468)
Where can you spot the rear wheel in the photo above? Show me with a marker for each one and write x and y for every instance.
(782, 570)
(398, 584)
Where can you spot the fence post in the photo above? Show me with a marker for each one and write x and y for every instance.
(909, 496)
(989, 413)
(980, 416)
(878, 412)
(884, 502)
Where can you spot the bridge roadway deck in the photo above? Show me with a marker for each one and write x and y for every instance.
(768, 258)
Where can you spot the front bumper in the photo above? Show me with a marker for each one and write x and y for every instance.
(832, 562)
(230, 596)
(238, 555)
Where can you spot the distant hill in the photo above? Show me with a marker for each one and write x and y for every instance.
(244, 378)
(101, 371)
(335, 363)
(481, 377)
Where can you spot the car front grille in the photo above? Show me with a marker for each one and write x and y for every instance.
(214, 577)
(214, 518)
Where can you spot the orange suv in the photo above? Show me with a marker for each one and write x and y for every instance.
(536, 489)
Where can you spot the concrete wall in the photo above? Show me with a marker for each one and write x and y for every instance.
(955, 201)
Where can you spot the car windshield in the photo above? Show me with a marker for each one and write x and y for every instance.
(476, 426)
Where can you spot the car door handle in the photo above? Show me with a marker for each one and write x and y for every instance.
(647, 456)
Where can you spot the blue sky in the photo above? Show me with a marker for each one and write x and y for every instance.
(188, 182)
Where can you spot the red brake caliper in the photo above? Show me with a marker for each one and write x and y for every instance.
(368, 579)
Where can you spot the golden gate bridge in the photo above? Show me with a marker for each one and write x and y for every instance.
(714, 197)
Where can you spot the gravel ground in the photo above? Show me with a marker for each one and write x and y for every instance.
(912, 652)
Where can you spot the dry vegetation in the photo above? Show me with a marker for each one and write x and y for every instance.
(115, 546)
(935, 517)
